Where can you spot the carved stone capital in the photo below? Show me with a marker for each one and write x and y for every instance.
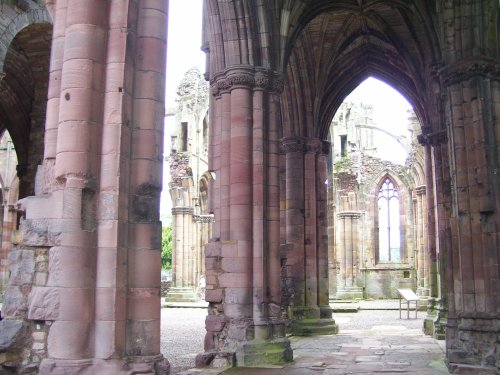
(325, 148)
(246, 77)
(204, 219)
(349, 214)
(292, 144)
(421, 190)
(182, 210)
(467, 68)
(437, 138)
(313, 146)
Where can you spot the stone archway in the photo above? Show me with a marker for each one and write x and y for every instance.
(279, 72)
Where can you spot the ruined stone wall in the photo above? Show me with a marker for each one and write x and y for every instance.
(356, 179)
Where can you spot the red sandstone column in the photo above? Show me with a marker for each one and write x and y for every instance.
(273, 208)
(322, 231)
(259, 225)
(223, 173)
(238, 280)
(310, 197)
(293, 148)
(72, 261)
(54, 89)
(144, 236)
(110, 294)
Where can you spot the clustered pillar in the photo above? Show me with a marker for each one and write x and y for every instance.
(306, 254)
(93, 226)
(244, 323)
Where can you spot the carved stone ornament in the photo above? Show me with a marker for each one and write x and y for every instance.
(292, 144)
(182, 210)
(204, 219)
(420, 190)
(349, 214)
(246, 78)
(433, 139)
(468, 68)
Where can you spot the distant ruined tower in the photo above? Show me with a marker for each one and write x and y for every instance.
(188, 188)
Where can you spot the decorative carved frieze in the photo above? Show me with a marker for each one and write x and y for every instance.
(204, 219)
(468, 68)
(243, 77)
(349, 214)
(437, 138)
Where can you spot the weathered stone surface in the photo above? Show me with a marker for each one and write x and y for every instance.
(214, 323)
(43, 303)
(213, 295)
(14, 302)
(22, 266)
(13, 335)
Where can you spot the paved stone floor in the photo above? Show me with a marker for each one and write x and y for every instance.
(369, 342)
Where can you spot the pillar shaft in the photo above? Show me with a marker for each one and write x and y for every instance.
(242, 258)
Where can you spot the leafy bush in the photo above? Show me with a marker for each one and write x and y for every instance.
(166, 247)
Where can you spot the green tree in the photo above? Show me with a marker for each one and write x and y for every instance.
(166, 247)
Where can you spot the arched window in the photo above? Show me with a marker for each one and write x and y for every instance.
(389, 238)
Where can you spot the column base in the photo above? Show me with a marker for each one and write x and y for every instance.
(271, 352)
(350, 292)
(313, 327)
(469, 343)
(435, 321)
(249, 354)
(181, 294)
(124, 366)
(457, 368)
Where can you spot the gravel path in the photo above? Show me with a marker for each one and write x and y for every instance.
(183, 330)
(182, 336)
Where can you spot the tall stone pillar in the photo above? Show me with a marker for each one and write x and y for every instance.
(306, 255)
(183, 257)
(322, 230)
(92, 234)
(435, 321)
(244, 325)
(473, 273)
(422, 257)
(347, 245)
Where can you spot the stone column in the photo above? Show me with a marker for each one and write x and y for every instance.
(347, 252)
(422, 272)
(322, 230)
(306, 254)
(293, 148)
(473, 280)
(145, 185)
(242, 258)
(184, 262)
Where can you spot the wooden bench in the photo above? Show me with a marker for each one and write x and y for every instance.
(407, 296)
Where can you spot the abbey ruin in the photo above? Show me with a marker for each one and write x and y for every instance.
(300, 211)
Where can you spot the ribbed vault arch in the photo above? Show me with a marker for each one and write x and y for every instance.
(333, 46)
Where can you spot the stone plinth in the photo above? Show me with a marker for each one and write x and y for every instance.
(182, 294)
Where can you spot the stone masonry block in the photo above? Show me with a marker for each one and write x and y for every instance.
(212, 263)
(22, 266)
(43, 303)
(214, 323)
(213, 249)
(213, 295)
